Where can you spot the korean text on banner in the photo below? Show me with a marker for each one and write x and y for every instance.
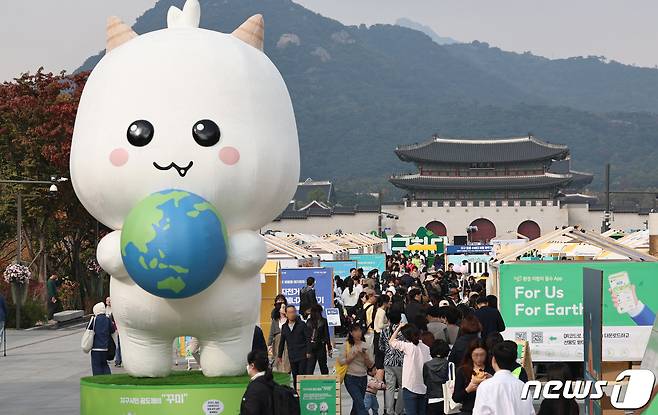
(542, 302)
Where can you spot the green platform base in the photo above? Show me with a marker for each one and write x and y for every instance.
(180, 393)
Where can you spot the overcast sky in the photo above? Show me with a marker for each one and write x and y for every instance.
(60, 34)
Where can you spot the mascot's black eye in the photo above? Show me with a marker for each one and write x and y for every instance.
(140, 133)
(206, 133)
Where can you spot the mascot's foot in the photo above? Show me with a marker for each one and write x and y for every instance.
(226, 358)
(146, 357)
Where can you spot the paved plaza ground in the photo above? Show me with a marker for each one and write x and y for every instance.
(42, 370)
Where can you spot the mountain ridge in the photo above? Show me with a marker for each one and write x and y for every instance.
(411, 24)
(360, 91)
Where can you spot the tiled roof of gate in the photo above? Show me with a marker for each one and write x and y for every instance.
(481, 150)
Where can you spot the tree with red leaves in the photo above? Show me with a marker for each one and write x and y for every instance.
(37, 115)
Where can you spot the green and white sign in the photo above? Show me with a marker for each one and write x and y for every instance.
(98, 397)
(542, 302)
(317, 396)
(158, 400)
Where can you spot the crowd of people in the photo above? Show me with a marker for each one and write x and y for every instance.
(405, 328)
(416, 334)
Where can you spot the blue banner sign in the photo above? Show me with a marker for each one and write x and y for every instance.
(294, 279)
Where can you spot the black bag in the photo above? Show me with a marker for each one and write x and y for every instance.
(111, 349)
(285, 400)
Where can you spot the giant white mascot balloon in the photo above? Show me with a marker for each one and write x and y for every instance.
(185, 144)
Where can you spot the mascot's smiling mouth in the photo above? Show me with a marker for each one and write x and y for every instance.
(182, 171)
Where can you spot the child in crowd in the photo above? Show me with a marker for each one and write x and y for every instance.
(435, 374)
(374, 386)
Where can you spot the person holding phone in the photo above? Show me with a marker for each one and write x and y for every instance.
(355, 356)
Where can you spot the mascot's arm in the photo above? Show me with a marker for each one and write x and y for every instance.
(247, 252)
(109, 255)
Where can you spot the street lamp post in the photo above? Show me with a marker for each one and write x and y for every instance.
(19, 222)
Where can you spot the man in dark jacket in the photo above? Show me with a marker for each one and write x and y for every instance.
(295, 334)
(414, 307)
(257, 399)
(53, 299)
(489, 317)
(307, 298)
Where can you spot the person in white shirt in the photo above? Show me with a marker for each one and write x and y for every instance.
(501, 395)
(416, 353)
(350, 295)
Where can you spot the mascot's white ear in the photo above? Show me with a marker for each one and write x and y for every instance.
(188, 17)
(252, 31)
(117, 33)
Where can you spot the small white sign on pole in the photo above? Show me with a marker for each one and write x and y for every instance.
(333, 317)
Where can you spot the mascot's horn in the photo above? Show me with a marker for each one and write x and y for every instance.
(117, 33)
(252, 31)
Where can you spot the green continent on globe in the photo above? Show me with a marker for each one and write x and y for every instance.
(174, 284)
(141, 236)
(151, 215)
(200, 207)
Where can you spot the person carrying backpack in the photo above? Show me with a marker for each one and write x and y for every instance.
(258, 398)
(263, 396)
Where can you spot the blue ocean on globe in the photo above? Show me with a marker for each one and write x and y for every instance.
(174, 243)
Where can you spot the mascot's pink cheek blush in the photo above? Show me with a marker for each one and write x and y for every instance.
(228, 155)
(119, 157)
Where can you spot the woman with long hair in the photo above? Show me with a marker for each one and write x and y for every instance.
(275, 337)
(381, 321)
(355, 356)
(416, 354)
(278, 300)
(473, 371)
(319, 342)
(350, 295)
(470, 329)
(357, 315)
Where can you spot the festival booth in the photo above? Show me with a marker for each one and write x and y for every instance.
(289, 254)
(376, 244)
(637, 240)
(327, 250)
(542, 301)
(357, 243)
(507, 242)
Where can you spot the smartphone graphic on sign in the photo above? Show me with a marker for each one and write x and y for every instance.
(622, 288)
